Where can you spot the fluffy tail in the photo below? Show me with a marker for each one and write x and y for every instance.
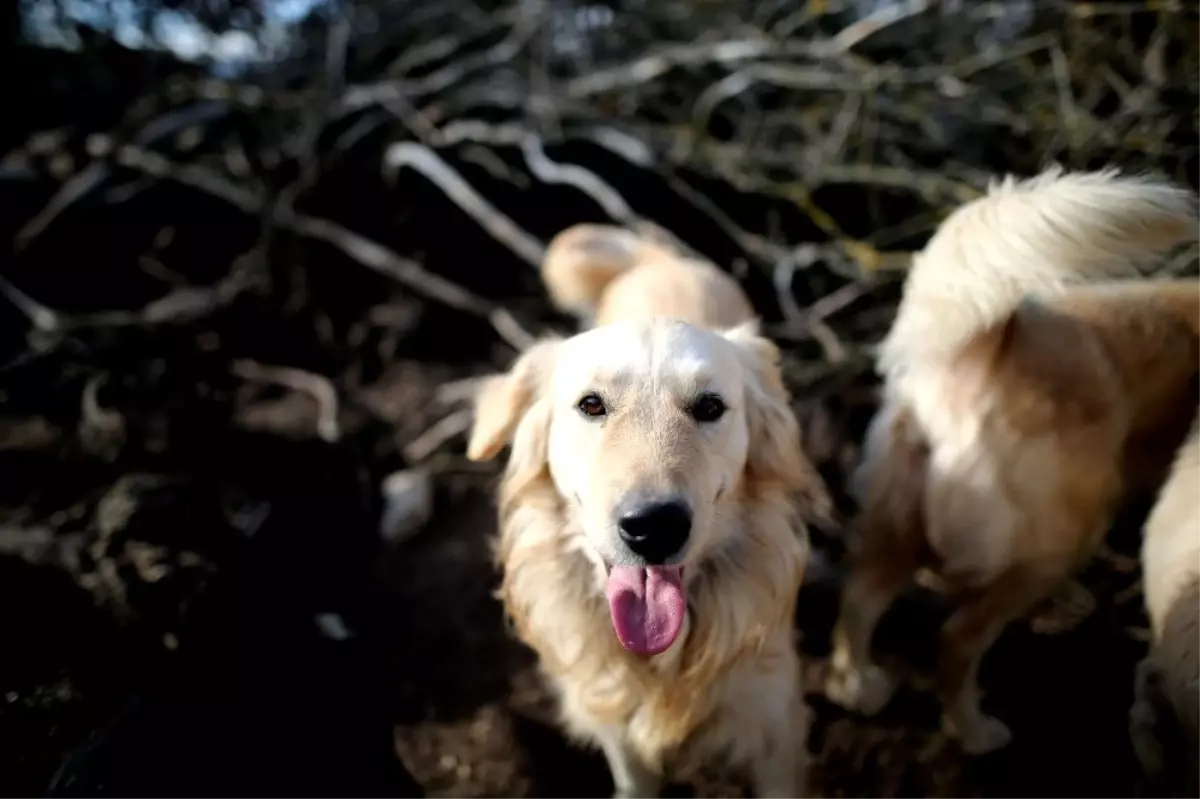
(1031, 236)
(583, 259)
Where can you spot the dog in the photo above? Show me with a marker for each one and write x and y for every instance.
(1030, 383)
(1165, 717)
(651, 540)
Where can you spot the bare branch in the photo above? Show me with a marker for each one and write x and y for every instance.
(319, 387)
(369, 253)
(426, 161)
(540, 165)
(86, 181)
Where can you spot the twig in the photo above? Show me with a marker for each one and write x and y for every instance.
(178, 306)
(646, 69)
(357, 97)
(428, 163)
(367, 252)
(42, 317)
(85, 181)
(885, 16)
(445, 429)
(577, 177)
(459, 390)
(317, 386)
(540, 165)
(639, 155)
(832, 303)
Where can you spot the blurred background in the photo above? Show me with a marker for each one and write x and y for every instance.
(255, 253)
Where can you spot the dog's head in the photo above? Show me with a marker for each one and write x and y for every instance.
(653, 433)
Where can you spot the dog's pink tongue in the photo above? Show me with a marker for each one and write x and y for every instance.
(647, 606)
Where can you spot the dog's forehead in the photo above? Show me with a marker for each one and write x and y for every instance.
(654, 350)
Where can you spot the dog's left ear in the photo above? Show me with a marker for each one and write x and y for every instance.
(503, 400)
(776, 457)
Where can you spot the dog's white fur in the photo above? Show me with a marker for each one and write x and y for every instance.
(1022, 399)
(1167, 703)
(729, 687)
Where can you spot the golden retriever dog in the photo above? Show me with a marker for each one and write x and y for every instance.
(1031, 384)
(650, 534)
(1165, 718)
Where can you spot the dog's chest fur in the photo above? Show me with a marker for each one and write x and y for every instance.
(679, 721)
(704, 699)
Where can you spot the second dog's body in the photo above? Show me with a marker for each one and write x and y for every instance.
(1023, 401)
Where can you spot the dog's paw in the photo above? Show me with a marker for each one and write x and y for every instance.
(1151, 729)
(1070, 605)
(866, 690)
(986, 735)
(1143, 734)
(637, 789)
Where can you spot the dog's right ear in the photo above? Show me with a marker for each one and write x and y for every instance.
(776, 455)
(504, 399)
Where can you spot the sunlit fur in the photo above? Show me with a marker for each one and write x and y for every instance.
(1032, 382)
(1165, 719)
(728, 690)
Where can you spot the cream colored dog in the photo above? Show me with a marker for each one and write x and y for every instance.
(1023, 401)
(1165, 718)
(650, 538)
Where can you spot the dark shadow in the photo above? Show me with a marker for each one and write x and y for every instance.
(64, 670)
(431, 609)
(560, 769)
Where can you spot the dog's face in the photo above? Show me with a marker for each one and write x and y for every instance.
(652, 433)
(648, 435)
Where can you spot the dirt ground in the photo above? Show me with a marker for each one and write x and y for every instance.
(232, 628)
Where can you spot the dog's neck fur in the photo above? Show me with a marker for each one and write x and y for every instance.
(740, 602)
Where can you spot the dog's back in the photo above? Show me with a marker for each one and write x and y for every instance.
(1149, 332)
(1016, 350)
(1035, 237)
(1170, 680)
(605, 273)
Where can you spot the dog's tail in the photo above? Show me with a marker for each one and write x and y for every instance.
(583, 259)
(1031, 236)
(1171, 562)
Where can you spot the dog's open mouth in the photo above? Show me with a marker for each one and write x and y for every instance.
(647, 604)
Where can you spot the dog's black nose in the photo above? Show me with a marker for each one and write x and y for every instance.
(656, 530)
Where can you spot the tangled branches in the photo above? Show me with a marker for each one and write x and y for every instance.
(858, 123)
(912, 104)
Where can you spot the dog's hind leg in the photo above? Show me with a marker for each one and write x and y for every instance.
(632, 779)
(969, 634)
(854, 681)
(887, 548)
(891, 551)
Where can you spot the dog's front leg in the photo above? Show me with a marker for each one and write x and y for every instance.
(632, 779)
(781, 767)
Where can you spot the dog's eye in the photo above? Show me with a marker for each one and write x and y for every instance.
(591, 405)
(709, 408)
